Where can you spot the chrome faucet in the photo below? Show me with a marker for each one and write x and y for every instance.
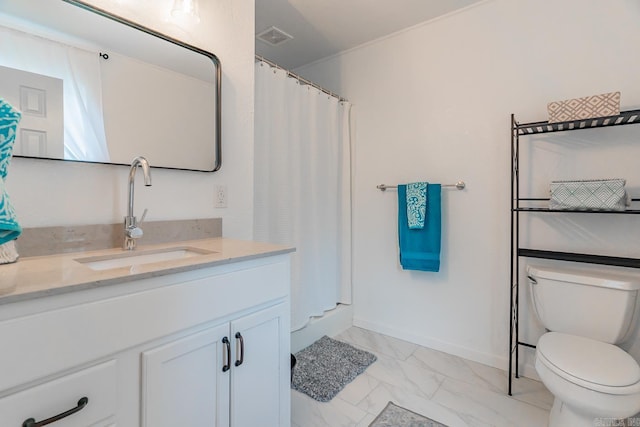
(132, 230)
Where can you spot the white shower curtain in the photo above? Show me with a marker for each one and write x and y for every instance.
(303, 187)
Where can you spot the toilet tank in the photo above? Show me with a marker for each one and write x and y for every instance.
(600, 304)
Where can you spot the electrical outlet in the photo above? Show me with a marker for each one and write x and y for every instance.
(220, 196)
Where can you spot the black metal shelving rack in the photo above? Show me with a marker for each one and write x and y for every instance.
(523, 129)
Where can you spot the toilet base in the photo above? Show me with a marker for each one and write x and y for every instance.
(562, 415)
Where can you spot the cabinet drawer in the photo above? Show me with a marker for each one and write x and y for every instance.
(97, 383)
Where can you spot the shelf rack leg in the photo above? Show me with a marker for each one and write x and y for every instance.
(513, 279)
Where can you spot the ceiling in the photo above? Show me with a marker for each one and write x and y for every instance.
(321, 28)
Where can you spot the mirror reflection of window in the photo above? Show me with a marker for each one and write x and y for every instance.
(46, 65)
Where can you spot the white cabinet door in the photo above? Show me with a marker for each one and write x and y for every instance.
(260, 371)
(183, 383)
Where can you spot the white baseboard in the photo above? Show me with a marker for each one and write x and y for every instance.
(332, 323)
(493, 360)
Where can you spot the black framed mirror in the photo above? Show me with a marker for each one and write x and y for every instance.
(95, 87)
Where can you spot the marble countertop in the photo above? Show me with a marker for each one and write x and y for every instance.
(41, 276)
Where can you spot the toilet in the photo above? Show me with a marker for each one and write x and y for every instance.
(586, 313)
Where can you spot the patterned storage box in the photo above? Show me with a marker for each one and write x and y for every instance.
(599, 194)
(606, 104)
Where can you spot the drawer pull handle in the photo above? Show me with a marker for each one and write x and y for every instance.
(32, 422)
(227, 364)
(239, 337)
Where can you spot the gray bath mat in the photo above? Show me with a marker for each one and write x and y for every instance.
(326, 366)
(395, 416)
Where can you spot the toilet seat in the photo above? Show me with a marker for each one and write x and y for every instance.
(588, 363)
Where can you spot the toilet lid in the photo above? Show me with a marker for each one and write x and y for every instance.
(588, 360)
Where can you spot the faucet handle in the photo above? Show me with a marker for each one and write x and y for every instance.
(144, 214)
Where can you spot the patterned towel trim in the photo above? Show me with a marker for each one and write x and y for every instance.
(416, 204)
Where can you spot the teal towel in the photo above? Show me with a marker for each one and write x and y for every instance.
(416, 204)
(9, 118)
(420, 248)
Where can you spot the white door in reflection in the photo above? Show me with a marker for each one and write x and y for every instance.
(39, 98)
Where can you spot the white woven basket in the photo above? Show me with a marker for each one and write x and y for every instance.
(598, 194)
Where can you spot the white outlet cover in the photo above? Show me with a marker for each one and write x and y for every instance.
(220, 196)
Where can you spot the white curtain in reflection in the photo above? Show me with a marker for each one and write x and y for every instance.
(84, 134)
(302, 187)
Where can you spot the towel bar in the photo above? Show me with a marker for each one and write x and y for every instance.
(460, 185)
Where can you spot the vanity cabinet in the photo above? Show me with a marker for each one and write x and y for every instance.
(203, 347)
(222, 376)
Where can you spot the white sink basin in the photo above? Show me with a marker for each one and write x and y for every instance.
(133, 258)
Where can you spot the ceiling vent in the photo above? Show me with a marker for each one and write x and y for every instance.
(274, 36)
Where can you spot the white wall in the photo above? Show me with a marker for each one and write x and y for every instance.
(433, 103)
(48, 193)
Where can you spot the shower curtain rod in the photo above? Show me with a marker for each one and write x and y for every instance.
(301, 79)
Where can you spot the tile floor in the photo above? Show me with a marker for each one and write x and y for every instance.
(446, 388)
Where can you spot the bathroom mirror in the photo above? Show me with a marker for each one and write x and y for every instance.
(94, 87)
